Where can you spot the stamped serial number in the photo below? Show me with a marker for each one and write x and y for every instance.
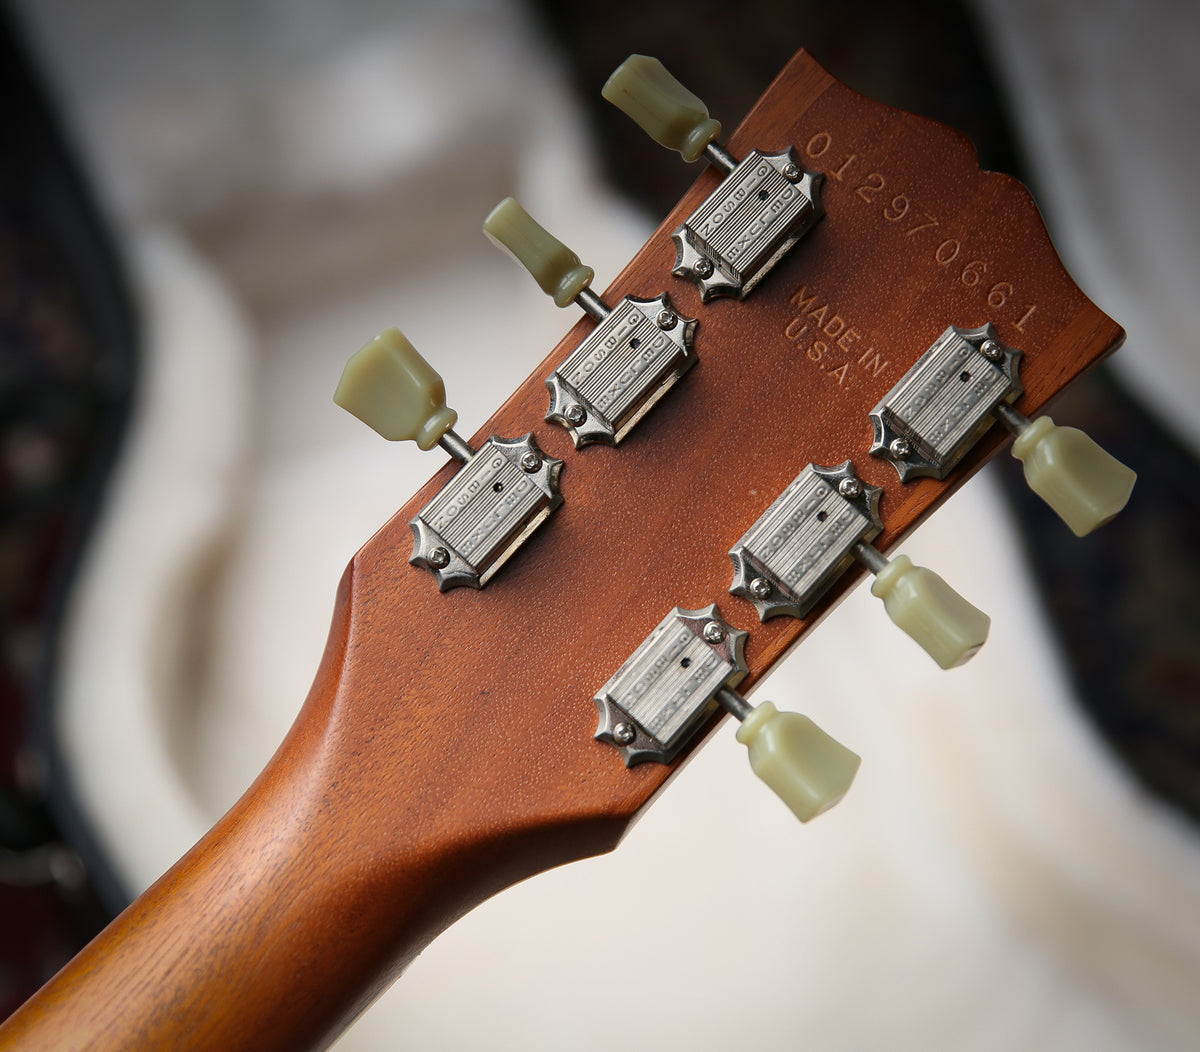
(959, 262)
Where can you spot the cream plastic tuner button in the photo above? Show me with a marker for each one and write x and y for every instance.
(394, 391)
(554, 266)
(1085, 485)
(671, 115)
(948, 628)
(806, 768)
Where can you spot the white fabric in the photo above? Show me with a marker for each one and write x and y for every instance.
(994, 880)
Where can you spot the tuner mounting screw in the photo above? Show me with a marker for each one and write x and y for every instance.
(900, 448)
(713, 632)
(991, 350)
(530, 461)
(850, 488)
(760, 588)
(667, 319)
(439, 557)
(623, 734)
(791, 172)
(575, 414)
(703, 268)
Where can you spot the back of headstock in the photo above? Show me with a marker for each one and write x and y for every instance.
(915, 238)
(446, 749)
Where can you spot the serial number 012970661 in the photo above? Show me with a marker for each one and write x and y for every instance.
(957, 260)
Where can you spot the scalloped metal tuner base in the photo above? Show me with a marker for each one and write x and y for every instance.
(805, 540)
(945, 402)
(483, 515)
(626, 364)
(660, 697)
(758, 212)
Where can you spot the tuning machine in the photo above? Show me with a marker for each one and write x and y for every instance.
(685, 668)
(966, 380)
(763, 206)
(634, 356)
(821, 523)
(503, 491)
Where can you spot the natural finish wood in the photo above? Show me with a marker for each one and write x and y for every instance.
(445, 750)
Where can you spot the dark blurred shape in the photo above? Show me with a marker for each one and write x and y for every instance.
(66, 369)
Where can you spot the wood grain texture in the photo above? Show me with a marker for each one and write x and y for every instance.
(445, 750)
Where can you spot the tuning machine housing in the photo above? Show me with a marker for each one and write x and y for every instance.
(821, 523)
(503, 492)
(764, 204)
(956, 390)
(636, 353)
(689, 665)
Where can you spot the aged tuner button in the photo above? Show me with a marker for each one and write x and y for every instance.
(823, 521)
(805, 767)
(665, 110)
(501, 494)
(1085, 485)
(947, 627)
(762, 207)
(634, 355)
(668, 687)
(396, 392)
(555, 268)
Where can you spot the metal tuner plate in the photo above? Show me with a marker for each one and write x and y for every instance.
(659, 698)
(498, 498)
(945, 402)
(626, 364)
(760, 209)
(803, 541)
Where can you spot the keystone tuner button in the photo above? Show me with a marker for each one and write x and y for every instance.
(806, 768)
(948, 628)
(665, 110)
(554, 266)
(1085, 485)
(396, 392)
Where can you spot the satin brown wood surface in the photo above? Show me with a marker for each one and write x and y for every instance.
(445, 750)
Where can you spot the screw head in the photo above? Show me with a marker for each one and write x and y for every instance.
(713, 632)
(667, 319)
(623, 733)
(760, 588)
(791, 172)
(439, 557)
(991, 350)
(850, 487)
(900, 448)
(530, 461)
(575, 414)
(703, 268)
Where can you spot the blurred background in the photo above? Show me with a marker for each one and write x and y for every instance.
(207, 208)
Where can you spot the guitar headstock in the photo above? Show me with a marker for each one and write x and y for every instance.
(900, 249)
